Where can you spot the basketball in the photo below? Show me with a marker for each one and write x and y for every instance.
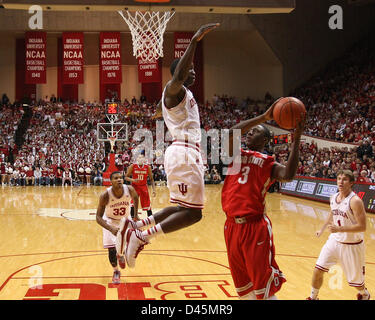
(288, 112)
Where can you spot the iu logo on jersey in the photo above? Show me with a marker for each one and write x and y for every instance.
(182, 188)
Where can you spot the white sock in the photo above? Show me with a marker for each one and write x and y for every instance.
(272, 298)
(152, 232)
(149, 221)
(314, 293)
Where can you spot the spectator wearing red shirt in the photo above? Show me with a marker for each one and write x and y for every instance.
(29, 175)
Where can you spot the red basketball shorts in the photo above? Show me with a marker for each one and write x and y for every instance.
(251, 256)
(142, 191)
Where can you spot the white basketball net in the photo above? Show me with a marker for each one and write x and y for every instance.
(147, 29)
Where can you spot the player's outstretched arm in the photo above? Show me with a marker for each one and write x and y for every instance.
(287, 173)
(181, 73)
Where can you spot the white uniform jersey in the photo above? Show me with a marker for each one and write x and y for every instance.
(118, 207)
(183, 120)
(343, 216)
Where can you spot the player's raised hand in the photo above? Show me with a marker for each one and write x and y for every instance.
(203, 30)
(269, 113)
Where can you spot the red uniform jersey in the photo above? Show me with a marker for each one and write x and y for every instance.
(30, 173)
(45, 173)
(244, 192)
(140, 173)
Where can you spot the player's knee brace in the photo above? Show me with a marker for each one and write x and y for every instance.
(112, 257)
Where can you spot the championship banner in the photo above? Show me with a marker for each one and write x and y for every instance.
(148, 71)
(181, 42)
(72, 57)
(110, 57)
(35, 58)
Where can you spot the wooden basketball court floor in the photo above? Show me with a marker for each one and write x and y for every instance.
(51, 248)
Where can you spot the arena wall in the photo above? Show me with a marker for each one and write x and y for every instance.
(237, 60)
(248, 56)
(303, 41)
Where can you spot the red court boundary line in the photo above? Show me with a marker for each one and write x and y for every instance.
(57, 259)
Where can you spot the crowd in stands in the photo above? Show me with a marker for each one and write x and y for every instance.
(60, 145)
(341, 99)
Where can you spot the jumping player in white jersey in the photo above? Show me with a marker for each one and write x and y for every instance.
(182, 161)
(114, 204)
(345, 245)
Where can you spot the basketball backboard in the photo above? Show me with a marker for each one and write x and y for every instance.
(195, 6)
(106, 131)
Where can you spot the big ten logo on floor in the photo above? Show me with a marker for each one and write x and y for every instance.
(169, 290)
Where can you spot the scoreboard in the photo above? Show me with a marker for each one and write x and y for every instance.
(281, 139)
(111, 108)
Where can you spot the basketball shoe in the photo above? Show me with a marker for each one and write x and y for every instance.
(363, 296)
(309, 298)
(116, 277)
(124, 225)
(135, 243)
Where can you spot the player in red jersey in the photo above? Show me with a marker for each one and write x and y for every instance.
(137, 174)
(248, 230)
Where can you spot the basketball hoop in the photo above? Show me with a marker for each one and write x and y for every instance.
(147, 29)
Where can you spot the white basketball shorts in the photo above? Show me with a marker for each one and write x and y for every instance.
(185, 174)
(109, 239)
(351, 258)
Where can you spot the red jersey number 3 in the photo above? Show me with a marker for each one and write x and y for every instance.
(245, 175)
